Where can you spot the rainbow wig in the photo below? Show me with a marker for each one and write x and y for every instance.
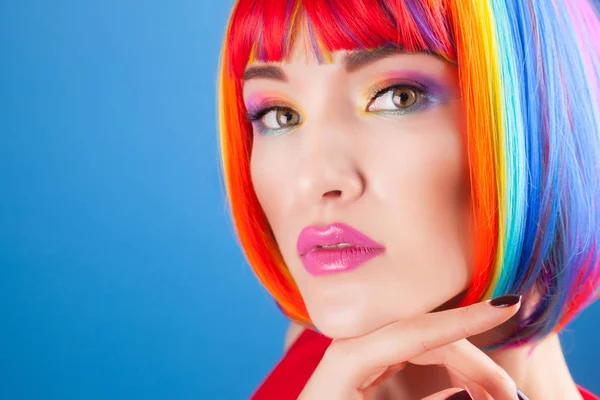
(529, 73)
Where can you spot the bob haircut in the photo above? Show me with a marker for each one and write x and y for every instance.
(529, 75)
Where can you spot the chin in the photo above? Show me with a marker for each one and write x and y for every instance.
(352, 320)
(347, 323)
(338, 328)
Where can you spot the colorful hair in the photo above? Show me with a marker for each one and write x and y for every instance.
(529, 73)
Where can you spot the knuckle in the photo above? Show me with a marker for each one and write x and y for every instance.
(467, 329)
(468, 310)
(501, 380)
(423, 345)
(475, 320)
(506, 381)
(424, 335)
(466, 321)
(442, 358)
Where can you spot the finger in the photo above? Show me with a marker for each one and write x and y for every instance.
(476, 391)
(356, 358)
(472, 364)
(380, 376)
(450, 394)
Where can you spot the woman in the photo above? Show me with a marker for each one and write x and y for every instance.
(392, 165)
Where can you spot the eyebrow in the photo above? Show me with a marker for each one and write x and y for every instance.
(265, 72)
(352, 61)
(360, 59)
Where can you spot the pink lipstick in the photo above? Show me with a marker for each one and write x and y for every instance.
(335, 248)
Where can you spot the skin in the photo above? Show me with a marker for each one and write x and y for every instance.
(400, 177)
(337, 167)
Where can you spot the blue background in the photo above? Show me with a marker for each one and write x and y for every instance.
(120, 272)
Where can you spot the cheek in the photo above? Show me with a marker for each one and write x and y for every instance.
(425, 184)
(271, 181)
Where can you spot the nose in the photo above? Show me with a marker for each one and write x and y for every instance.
(328, 171)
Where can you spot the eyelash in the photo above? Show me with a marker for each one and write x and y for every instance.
(255, 117)
(265, 108)
(381, 90)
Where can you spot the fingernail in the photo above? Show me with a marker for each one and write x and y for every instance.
(522, 396)
(505, 301)
(462, 395)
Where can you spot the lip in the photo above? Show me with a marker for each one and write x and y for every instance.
(318, 261)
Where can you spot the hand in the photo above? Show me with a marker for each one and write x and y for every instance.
(351, 368)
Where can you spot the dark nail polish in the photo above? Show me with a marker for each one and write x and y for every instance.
(505, 301)
(464, 395)
(522, 396)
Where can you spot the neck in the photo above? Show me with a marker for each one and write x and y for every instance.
(541, 374)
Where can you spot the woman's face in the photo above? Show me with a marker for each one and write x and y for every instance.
(374, 141)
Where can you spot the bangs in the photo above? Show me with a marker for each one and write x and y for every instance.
(257, 28)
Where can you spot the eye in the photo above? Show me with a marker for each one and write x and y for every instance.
(274, 120)
(396, 99)
(279, 118)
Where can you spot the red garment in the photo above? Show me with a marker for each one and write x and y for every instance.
(288, 378)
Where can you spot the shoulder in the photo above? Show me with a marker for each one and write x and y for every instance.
(304, 349)
(292, 334)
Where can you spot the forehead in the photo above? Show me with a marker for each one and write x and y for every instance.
(263, 31)
(302, 47)
(303, 51)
